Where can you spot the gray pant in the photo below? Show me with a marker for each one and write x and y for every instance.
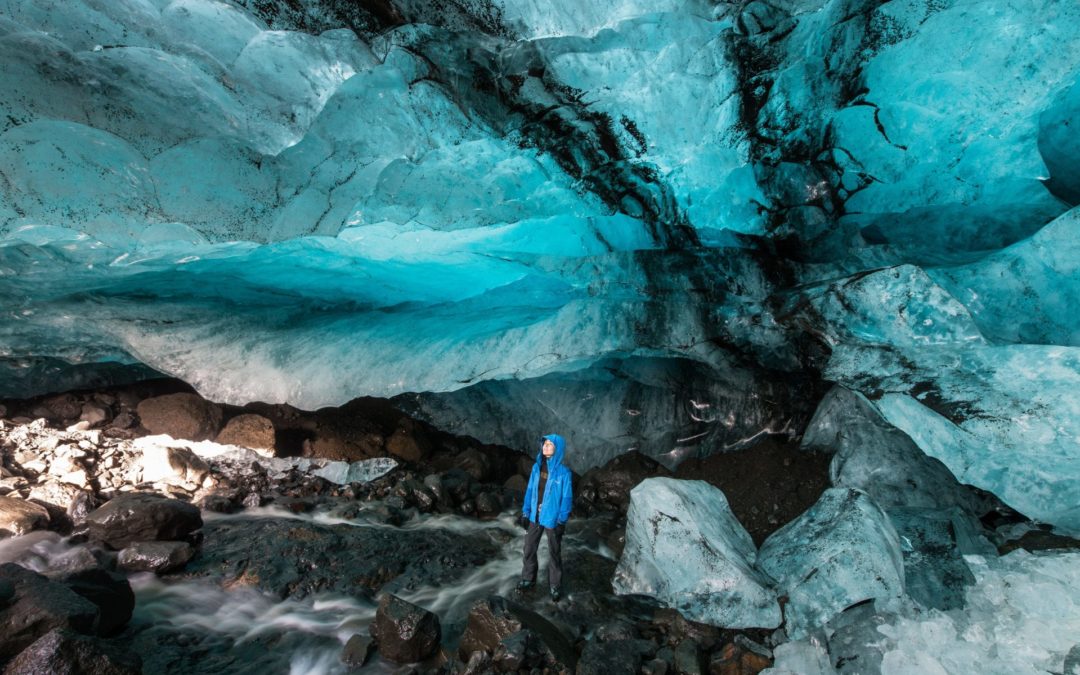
(532, 543)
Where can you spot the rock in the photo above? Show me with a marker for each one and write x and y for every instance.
(249, 431)
(614, 657)
(842, 551)
(155, 556)
(140, 516)
(494, 618)
(64, 652)
(59, 408)
(123, 420)
(110, 591)
(7, 592)
(95, 414)
(733, 659)
(357, 651)
(512, 655)
(18, 516)
(406, 633)
(487, 505)
(293, 558)
(685, 548)
(57, 494)
(611, 483)
(516, 483)
(172, 465)
(186, 416)
(688, 658)
(474, 463)
(406, 444)
(39, 606)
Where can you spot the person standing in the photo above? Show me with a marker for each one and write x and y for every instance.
(549, 498)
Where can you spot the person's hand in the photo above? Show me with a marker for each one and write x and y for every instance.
(523, 521)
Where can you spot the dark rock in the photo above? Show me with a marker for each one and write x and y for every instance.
(494, 618)
(474, 463)
(678, 629)
(617, 657)
(293, 558)
(487, 504)
(406, 633)
(81, 506)
(219, 504)
(123, 420)
(138, 516)
(110, 591)
(688, 657)
(18, 516)
(357, 651)
(516, 483)
(611, 483)
(63, 652)
(64, 407)
(616, 630)
(407, 442)
(457, 484)
(655, 667)
(512, 653)
(734, 659)
(7, 592)
(248, 431)
(187, 416)
(38, 607)
(155, 556)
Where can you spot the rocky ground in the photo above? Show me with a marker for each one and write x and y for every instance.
(358, 502)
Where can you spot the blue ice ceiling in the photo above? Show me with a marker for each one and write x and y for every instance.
(659, 225)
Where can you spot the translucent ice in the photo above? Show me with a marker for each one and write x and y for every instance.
(842, 551)
(685, 548)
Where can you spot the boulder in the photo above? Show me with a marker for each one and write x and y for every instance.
(249, 431)
(611, 483)
(172, 465)
(155, 556)
(95, 414)
(495, 618)
(406, 443)
(406, 633)
(685, 548)
(110, 591)
(137, 516)
(614, 657)
(63, 652)
(357, 651)
(842, 551)
(18, 516)
(39, 606)
(186, 416)
(474, 463)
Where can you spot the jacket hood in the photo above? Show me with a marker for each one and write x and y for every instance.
(560, 448)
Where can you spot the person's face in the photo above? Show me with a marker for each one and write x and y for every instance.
(548, 448)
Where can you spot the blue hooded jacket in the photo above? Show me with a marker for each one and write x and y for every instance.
(558, 497)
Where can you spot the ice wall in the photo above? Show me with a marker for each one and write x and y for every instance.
(662, 226)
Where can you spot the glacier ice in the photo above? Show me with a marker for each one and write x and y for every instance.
(1020, 616)
(840, 552)
(685, 548)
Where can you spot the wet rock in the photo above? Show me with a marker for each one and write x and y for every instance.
(110, 591)
(172, 465)
(187, 416)
(406, 633)
(615, 657)
(7, 592)
(248, 431)
(38, 607)
(487, 505)
(512, 653)
(63, 652)
(142, 517)
(611, 483)
(155, 556)
(495, 618)
(655, 667)
(95, 414)
(293, 558)
(18, 516)
(357, 651)
(735, 660)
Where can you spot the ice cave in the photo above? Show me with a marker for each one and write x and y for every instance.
(292, 290)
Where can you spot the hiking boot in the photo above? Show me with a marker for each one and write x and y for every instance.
(524, 585)
(556, 594)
